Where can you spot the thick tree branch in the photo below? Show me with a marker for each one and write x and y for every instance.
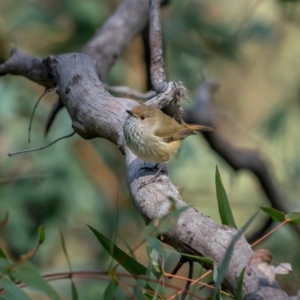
(128, 21)
(96, 113)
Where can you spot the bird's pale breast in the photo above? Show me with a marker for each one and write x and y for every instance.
(145, 145)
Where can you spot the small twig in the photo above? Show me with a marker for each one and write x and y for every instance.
(35, 251)
(204, 285)
(189, 281)
(192, 283)
(130, 93)
(40, 148)
(8, 179)
(267, 234)
(97, 275)
(34, 109)
(54, 111)
(158, 76)
(182, 261)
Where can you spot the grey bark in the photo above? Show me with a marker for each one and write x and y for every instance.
(96, 113)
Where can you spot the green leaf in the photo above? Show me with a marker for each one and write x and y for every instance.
(13, 292)
(239, 287)
(155, 259)
(4, 222)
(110, 290)
(156, 294)
(223, 203)
(275, 214)
(156, 244)
(138, 290)
(114, 230)
(41, 234)
(126, 261)
(217, 295)
(158, 227)
(4, 265)
(2, 254)
(227, 256)
(132, 266)
(128, 247)
(294, 218)
(215, 273)
(204, 259)
(63, 244)
(29, 275)
(74, 291)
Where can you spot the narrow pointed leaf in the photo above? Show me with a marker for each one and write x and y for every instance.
(195, 257)
(223, 203)
(138, 289)
(126, 261)
(294, 218)
(63, 244)
(41, 234)
(110, 290)
(74, 291)
(2, 254)
(29, 275)
(13, 292)
(215, 273)
(4, 222)
(239, 286)
(4, 265)
(128, 247)
(132, 266)
(275, 214)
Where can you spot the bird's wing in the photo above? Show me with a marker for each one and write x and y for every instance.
(176, 132)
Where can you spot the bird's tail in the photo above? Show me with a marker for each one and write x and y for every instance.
(195, 127)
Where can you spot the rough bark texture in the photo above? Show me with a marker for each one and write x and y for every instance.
(96, 113)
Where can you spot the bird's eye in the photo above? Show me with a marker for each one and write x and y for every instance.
(142, 117)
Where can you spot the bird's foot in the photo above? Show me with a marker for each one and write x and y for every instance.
(154, 177)
(155, 167)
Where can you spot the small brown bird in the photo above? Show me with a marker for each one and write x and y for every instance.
(154, 136)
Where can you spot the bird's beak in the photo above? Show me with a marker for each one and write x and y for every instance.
(129, 112)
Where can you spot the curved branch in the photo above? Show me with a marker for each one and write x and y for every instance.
(237, 158)
(108, 42)
(96, 113)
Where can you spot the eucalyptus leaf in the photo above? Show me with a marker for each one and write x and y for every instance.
(294, 218)
(29, 275)
(223, 203)
(275, 214)
(13, 292)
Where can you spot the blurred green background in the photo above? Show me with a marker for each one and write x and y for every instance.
(251, 47)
